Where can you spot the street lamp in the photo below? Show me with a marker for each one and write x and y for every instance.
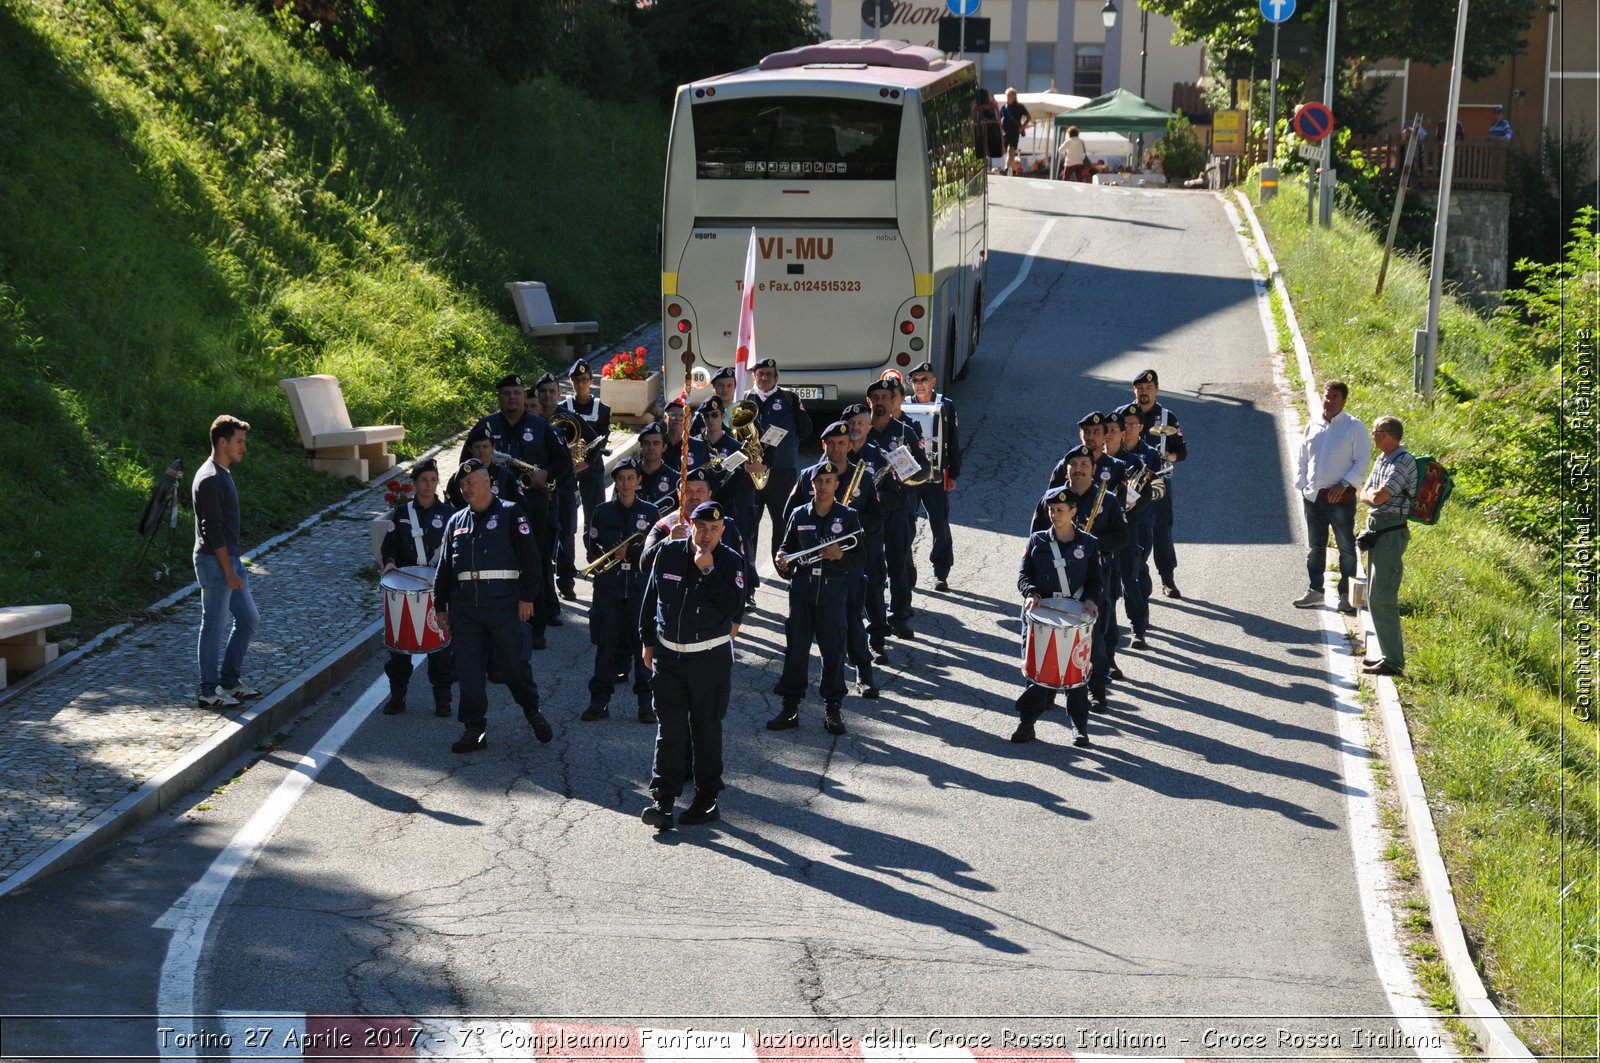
(1108, 14)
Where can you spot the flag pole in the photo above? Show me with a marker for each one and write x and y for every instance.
(688, 383)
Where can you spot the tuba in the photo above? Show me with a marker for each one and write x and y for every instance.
(571, 432)
(742, 421)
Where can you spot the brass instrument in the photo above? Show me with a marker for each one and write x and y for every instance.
(1094, 510)
(611, 558)
(802, 557)
(742, 422)
(527, 469)
(571, 432)
(667, 504)
(855, 483)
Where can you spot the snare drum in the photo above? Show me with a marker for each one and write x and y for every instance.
(408, 622)
(1056, 644)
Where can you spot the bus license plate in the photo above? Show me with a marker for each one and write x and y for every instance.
(808, 393)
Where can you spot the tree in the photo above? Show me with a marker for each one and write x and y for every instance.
(1182, 155)
(1420, 30)
(693, 39)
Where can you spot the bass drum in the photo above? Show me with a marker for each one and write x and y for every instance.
(1057, 641)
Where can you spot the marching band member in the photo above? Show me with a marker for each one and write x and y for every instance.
(889, 434)
(594, 422)
(696, 489)
(547, 403)
(526, 436)
(693, 599)
(1058, 562)
(1110, 460)
(864, 500)
(657, 480)
(725, 386)
(858, 417)
(1169, 442)
(733, 489)
(782, 409)
(819, 593)
(1099, 514)
(618, 594)
(1144, 463)
(672, 419)
(484, 594)
(934, 496)
(416, 532)
(503, 479)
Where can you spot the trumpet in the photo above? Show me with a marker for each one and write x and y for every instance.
(611, 558)
(742, 421)
(1094, 510)
(801, 557)
(527, 469)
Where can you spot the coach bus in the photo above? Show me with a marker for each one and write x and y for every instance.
(855, 163)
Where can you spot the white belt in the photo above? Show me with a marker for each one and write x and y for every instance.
(696, 647)
(489, 573)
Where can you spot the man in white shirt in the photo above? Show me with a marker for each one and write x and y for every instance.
(1333, 456)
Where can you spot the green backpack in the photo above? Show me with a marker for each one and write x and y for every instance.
(1434, 484)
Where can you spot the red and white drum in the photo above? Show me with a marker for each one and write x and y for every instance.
(1056, 644)
(408, 622)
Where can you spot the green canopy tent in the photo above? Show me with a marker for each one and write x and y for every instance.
(1118, 111)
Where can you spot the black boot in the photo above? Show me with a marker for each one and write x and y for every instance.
(1024, 731)
(646, 713)
(832, 721)
(703, 809)
(541, 726)
(441, 702)
(396, 703)
(470, 742)
(658, 815)
(789, 717)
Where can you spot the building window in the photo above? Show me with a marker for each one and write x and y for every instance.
(1088, 77)
(1041, 67)
(993, 70)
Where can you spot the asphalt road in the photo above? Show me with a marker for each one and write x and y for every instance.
(1190, 871)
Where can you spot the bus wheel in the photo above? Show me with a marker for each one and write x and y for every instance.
(947, 371)
(977, 334)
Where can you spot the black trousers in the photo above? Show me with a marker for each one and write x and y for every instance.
(1035, 700)
(477, 630)
(543, 522)
(780, 482)
(614, 630)
(816, 613)
(441, 672)
(936, 500)
(691, 695)
(876, 574)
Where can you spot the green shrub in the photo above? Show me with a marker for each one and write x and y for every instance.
(1182, 155)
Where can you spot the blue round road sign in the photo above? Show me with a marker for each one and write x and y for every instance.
(1313, 121)
(1276, 10)
(962, 7)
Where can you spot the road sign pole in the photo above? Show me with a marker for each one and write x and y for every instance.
(1327, 99)
(1272, 110)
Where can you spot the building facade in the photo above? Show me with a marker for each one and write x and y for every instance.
(1037, 45)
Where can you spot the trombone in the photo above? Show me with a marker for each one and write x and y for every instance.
(810, 553)
(742, 422)
(527, 469)
(611, 558)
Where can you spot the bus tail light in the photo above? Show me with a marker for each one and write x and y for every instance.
(674, 309)
(918, 310)
(684, 326)
(902, 358)
(907, 327)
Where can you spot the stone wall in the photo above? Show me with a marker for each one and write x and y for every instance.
(1477, 243)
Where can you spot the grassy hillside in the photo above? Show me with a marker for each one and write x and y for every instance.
(1510, 763)
(192, 207)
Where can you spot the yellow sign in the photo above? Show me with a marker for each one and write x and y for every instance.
(1227, 132)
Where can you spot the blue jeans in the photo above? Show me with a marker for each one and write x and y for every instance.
(1341, 517)
(217, 602)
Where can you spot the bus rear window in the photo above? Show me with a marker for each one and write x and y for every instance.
(790, 138)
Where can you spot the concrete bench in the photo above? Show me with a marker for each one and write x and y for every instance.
(22, 643)
(337, 447)
(538, 319)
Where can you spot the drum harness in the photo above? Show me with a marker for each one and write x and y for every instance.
(1061, 571)
(416, 538)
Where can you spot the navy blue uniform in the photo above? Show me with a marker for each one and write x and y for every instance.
(532, 440)
(589, 486)
(687, 620)
(1133, 558)
(1038, 577)
(876, 573)
(1172, 449)
(658, 485)
(399, 548)
(781, 409)
(1110, 532)
(618, 597)
(934, 496)
(898, 516)
(489, 564)
(819, 594)
(734, 490)
(870, 513)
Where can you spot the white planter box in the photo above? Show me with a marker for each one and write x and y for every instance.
(631, 398)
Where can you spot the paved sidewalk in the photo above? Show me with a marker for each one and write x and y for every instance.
(110, 735)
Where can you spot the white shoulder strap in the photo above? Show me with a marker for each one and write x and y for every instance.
(416, 536)
(1061, 571)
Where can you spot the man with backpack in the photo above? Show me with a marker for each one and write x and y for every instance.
(1389, 490)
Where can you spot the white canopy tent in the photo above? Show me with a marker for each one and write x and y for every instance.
(1115, 149)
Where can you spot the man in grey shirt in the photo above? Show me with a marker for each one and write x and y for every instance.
(219, 567)
(1390, 489)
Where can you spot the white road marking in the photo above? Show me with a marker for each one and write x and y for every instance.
(1373, 881)
(1022, 274)
(190, 916)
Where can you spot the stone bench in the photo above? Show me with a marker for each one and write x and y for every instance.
(337, 447)
(538, 319)
(22, 643)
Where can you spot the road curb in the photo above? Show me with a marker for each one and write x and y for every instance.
(161, 791)
(1475, 1008)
